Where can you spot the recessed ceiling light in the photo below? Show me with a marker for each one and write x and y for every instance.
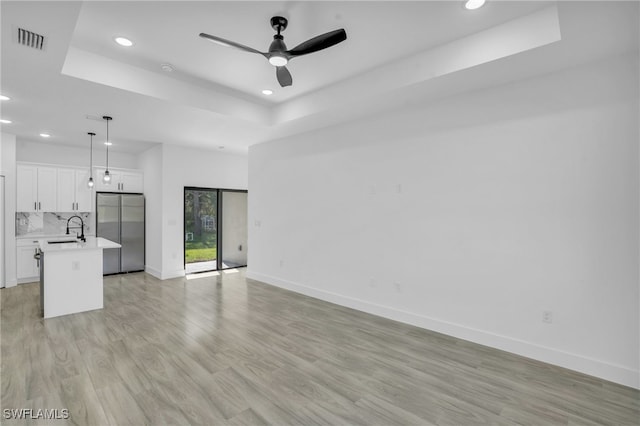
(108, 143)
(221, 147)
(4, 98)
(3, 121)
(45, 135)
(474, 4)
(122, 41)
(167, 67)
(267, 92)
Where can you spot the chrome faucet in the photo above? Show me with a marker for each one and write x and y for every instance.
(81, 237)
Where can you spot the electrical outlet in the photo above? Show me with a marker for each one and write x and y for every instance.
(281, 263)
(372, 283)
(75, 265)
(398, 287)
(547, 316)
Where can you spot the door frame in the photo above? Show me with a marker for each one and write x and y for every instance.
(219, 233)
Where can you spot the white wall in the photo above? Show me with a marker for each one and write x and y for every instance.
(41, 152)
(472, 216)
(150, 162)
(182, 167)
(8, 169)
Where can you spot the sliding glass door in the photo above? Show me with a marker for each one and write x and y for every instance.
(215, 229)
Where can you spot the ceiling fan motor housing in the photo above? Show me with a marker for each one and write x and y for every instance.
(277, 45)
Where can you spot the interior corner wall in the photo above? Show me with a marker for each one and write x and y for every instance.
(150, 162)
(472, 216)
(8, 169)
(198, 168)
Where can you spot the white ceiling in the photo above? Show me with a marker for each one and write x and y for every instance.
(395, 52)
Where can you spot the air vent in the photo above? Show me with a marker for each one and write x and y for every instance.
(30, 39)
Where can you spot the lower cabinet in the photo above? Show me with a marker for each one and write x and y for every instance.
(28, 268)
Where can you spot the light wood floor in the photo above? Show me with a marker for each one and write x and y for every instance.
(227, 350)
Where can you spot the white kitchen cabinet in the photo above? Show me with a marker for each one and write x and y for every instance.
(83, 193)
(121, 181)
(28, 269)
(36, 189)
(27, 189)
(73, 193)
(131, 182)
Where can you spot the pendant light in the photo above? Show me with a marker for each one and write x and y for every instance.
(90, 181)
(106, 179)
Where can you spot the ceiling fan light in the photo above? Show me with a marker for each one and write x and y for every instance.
(278, 61)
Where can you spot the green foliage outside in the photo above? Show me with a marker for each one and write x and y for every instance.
(201, 243)
(200, 255)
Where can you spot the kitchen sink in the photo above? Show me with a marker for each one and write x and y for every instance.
(62, 241)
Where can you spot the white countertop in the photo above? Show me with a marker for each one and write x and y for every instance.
(92, 243)
(35, 237)
(40, 236)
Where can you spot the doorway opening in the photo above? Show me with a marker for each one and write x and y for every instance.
(215, 229)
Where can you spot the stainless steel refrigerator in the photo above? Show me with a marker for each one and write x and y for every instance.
(120, 218)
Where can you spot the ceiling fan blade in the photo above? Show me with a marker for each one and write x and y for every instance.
(318, 43)
(284, 76)
(229, 43)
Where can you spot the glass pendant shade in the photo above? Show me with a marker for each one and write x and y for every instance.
(90, 183)
(107, 177)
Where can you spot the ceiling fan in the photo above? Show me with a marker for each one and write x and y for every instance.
(278, 55)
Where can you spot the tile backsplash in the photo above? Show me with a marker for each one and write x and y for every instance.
(51, 223)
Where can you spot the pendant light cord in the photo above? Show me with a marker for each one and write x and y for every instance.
(107, 145)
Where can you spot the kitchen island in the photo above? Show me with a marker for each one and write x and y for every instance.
(71, 275)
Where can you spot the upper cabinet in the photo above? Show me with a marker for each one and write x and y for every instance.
(73, 193)
(43, 188)
(36, 188)
(121, 181)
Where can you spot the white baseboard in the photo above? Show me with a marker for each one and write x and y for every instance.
(607, 371)
(152, 271)
(173, 274)
(164, 275)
